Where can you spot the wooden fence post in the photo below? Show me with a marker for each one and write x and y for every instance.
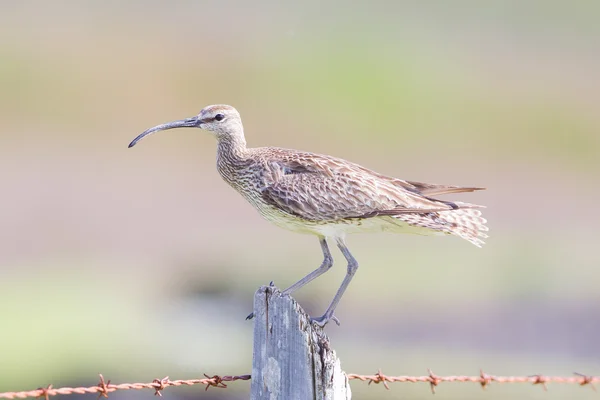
(292, 359)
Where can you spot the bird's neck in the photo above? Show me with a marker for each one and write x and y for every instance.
(231, 158)
(232, 147)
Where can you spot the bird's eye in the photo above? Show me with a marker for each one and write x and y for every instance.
(219, 117)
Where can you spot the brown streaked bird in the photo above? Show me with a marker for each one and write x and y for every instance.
(328, 197)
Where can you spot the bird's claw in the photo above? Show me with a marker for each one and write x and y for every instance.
(324, 319)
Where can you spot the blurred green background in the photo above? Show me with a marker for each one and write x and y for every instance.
(142, 263)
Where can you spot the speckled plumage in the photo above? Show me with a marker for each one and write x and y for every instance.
(327, 196)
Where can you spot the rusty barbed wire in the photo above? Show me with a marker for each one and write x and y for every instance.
(103, 388)
(483, 379)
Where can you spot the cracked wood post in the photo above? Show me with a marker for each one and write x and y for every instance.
(292, 359)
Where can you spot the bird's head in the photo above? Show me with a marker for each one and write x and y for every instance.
(222, 120)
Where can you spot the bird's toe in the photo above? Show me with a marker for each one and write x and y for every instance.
(324, 319)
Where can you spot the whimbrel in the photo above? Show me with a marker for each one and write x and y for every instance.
(327, 196)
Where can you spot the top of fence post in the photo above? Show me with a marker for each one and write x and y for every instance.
(292, 358)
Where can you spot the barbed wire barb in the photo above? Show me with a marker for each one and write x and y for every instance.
(587, 380)
(103, 391)
(161, 384)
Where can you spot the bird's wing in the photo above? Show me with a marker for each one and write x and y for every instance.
(319, 188)
(425, 189)
(430, 189)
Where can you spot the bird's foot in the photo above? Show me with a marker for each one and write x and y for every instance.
(324, 319)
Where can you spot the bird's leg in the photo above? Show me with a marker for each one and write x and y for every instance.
(352, 267)
(324, 267)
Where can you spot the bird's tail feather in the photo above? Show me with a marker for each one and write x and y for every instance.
(465, 222)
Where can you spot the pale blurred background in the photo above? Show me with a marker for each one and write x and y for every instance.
(141, 263)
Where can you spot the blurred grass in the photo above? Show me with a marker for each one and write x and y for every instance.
(407, 98)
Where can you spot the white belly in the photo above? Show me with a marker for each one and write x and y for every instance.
(342, 227)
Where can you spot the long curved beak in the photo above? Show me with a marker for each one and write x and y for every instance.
(192, 122)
